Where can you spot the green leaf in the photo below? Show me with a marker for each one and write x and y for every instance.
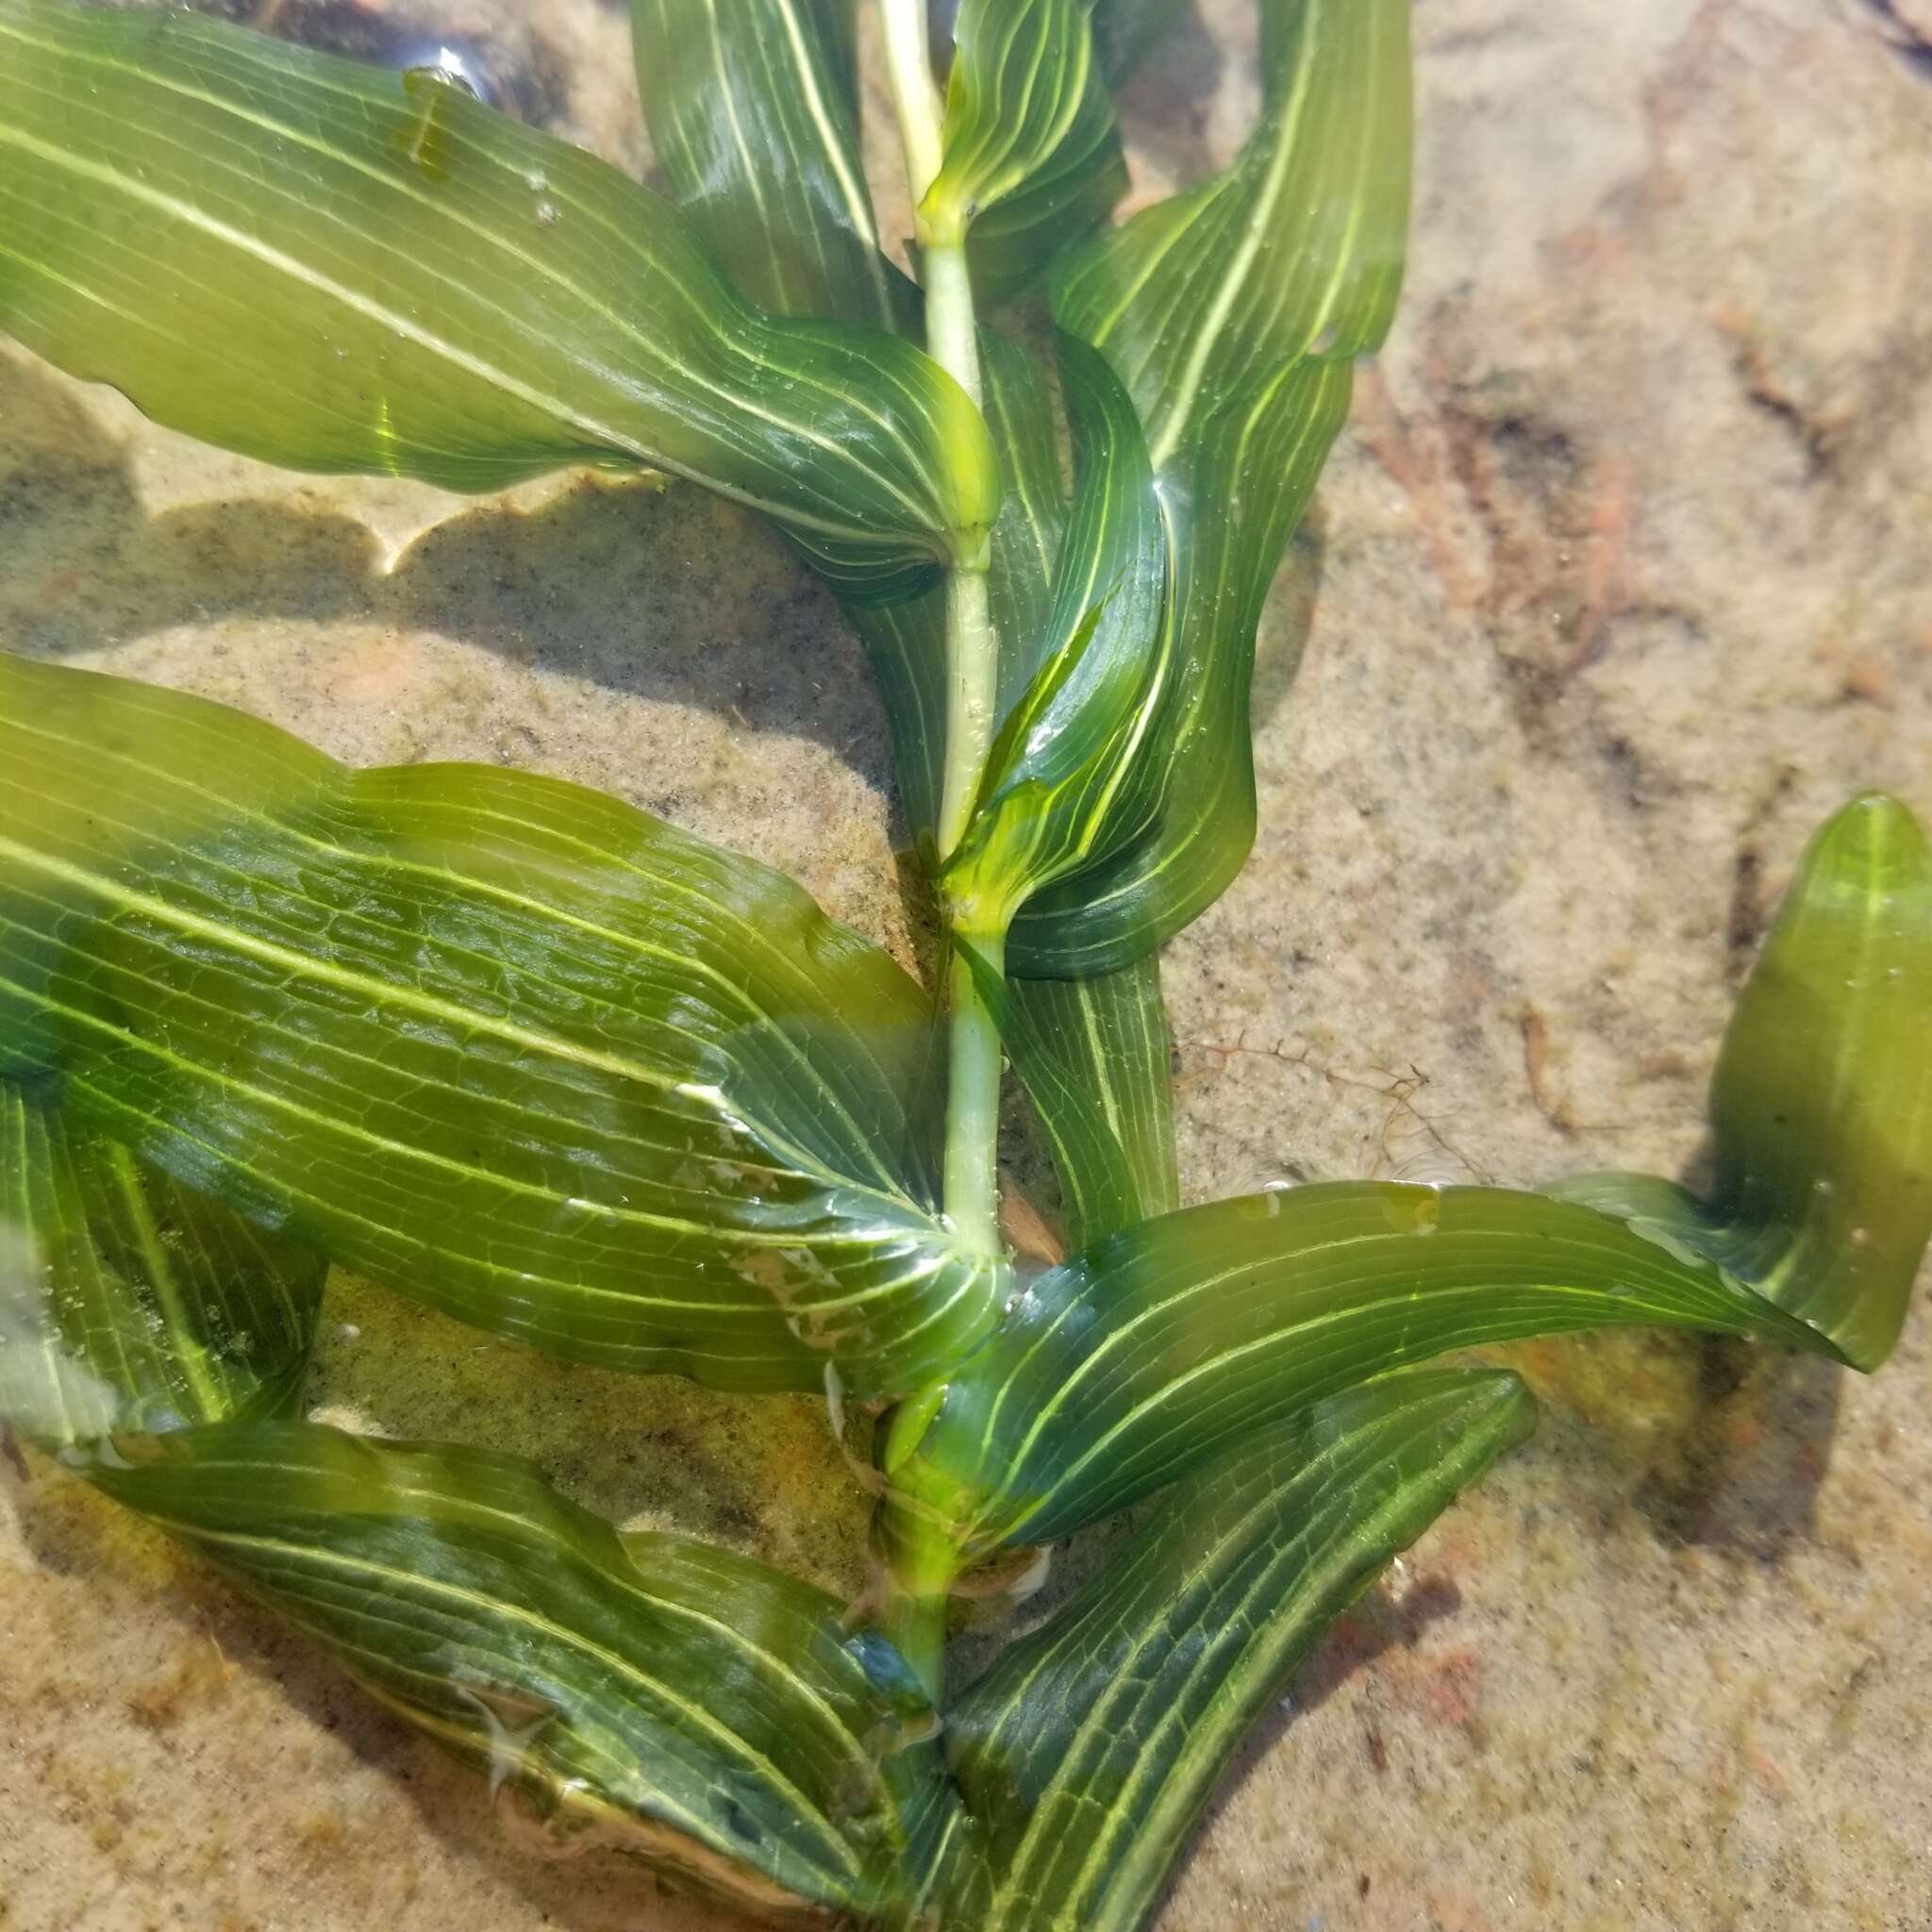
(643, 1693)
(337, 268)
(1231, 504)
(1295, 249)
(1093, 1056)
(1116, 1372)
(1822, 1107)
(1077, 770)
(500, 1042)
(1092, 1745)
(1031, 155)
(1120, 1370)
(1232, 312)
(128, 1302)
(754, 120)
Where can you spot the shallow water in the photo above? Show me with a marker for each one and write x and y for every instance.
(1615, 586)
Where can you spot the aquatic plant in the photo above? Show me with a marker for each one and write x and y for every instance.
(523, 1053)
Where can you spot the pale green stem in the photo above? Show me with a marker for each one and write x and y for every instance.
(914, 1613)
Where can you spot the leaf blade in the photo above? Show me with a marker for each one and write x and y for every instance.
(676, 1701)
(1093, 1054)
(331, 266)
(1233, 312)
(492, 1039)
(128, 1302)
(1821, 1108)
(1078, 770)
(1093, 1744)
(753, 119)
(1122, 1368)
(1031, 156)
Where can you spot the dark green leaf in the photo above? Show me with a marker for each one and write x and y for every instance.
(1032, 157)
(1093, 1054)
(1120, 1370)
(128, 1302)
(1822, 1108)
(1231, 503)
(500, 1042)
(1294, 249)
(1232, 312)
(754, 120)
(643, 1693)
(1092, 1744)
(1077, 770)
(337, 268)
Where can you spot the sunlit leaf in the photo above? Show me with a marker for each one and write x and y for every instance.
(338, 268)
(128, 1302)
(1079, 766)
(1822, 1108)
(753, 115)
(1120, 1370)
(643, 1692)
(1294, 249)
(1092, 1744)
(497, 1042)
(1093, 1056)
(1031, 155)
(1233, 312)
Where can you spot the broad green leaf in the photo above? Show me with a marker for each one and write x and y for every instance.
(1077, 769)
(500, 1042)
(1031, 156)
(754, 120)
(338, 268)
(127, 1301)
(1231, 504)
(1232, 312)
(1092, 1745)
(1094, 1056)
(1822, 1107)
(1118, 1371)
(644, 1692)
(1295, 249)
(1125, 30)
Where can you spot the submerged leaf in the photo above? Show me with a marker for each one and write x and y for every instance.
(1093, 1054)
(1233, 312)
(1294, 249)
(1031, 156)
(1077, 770)
(1822, 1108)
(1094, 1744)
(644, 1693)
(337, 268)
(500, 1042)
(1230, 505)
(753, 121)
(1122, 1369)
(128, 1302)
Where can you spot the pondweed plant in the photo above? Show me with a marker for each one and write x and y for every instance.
(551, 1065)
